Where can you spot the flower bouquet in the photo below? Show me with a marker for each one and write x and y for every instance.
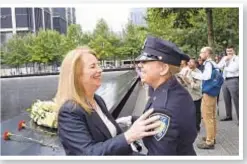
(44, 113)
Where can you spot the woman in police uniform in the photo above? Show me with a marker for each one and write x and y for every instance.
(159, 62)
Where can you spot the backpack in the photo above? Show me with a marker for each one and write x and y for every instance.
(213, 85)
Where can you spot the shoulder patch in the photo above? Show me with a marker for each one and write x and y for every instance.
(165, 123)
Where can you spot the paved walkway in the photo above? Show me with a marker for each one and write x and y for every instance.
(227, 140)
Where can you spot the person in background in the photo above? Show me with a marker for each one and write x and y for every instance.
(193, 85)
(183, 64)
(197, 64)
(208, 105)
(183, 67)
(85, 126)
(217, 60)
(200, 64)
(230, 88)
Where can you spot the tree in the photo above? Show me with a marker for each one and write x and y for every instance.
(104, 41)
(193, 28)
(210, 27)
(133, 38)
(47, 47)
(101, 28)
(73, 37)
(86, 37)
(28, 40)
(226, 27)
(101, 46)
(15, 52)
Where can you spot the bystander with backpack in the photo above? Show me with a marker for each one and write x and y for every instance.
(211, 84)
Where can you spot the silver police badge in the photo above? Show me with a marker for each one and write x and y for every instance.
(162, 129)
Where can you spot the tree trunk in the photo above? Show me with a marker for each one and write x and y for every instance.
(43, 67)
(39, 68)
(26, 68)
(33, 67)
(210, 27)
(196, 48)
(17, 70)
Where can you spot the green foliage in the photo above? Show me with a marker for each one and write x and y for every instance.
(74, 37)
(226, 25)
(104, 42)
(101, 29)
(188, 27)
(47, 47)
(133, 40)
(14, 52)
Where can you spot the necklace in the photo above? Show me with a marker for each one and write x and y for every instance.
(92, 105)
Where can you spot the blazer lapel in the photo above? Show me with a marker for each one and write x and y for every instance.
(100, 125)
(109, 116)
(106, 112)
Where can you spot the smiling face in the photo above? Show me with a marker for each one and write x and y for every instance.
(150, 71)
(91, 72)
(192, 64)
(230, 51)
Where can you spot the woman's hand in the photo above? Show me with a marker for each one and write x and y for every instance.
(142, 126)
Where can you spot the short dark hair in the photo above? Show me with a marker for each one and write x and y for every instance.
(193, 59)
(230, 46)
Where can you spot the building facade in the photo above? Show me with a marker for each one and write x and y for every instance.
(137, 16)
(24, 20)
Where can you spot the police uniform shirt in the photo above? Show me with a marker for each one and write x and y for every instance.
(171, 102)
(177, 114)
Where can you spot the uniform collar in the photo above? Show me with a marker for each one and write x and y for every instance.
(161, 90)
(168, 84)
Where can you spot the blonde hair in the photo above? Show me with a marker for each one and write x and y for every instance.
(208, 49)
(173, 69)
(69, 87)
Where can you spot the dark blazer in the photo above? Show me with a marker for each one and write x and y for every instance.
(86, 134)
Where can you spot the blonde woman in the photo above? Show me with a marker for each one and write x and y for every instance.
(85, 126)
(159, 62)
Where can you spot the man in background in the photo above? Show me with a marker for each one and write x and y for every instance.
(230, 88)
(193, 86)
(200, 64)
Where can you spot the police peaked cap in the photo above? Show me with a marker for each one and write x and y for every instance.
(155, 49)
